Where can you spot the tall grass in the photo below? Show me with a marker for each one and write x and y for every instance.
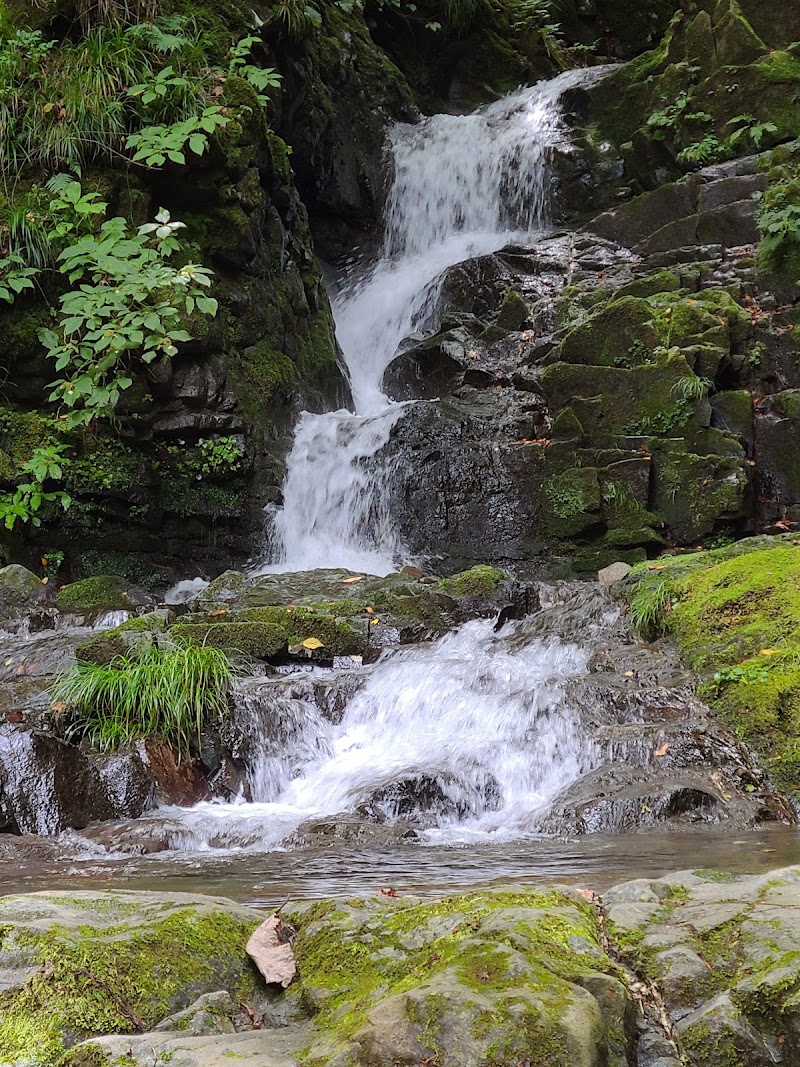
(67, 104)
(165, 693)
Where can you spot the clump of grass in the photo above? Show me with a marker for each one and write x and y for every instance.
(166, 693)
(650, 607)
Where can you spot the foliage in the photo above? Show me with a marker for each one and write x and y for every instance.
(68, 104)
(46, 464)
(167, 693)
(211, 457)
(129, 304)
(650, 606)
(14, 276)
(692, 387)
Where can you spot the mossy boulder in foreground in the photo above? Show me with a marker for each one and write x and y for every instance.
(79, 964)
(485, 978)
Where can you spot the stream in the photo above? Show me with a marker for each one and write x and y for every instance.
(520, 752)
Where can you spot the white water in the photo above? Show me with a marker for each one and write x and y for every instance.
(463, 186)
(482, 719)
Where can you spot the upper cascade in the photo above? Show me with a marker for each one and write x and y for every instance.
(463, 186)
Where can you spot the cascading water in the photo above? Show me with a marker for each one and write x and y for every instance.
(472, 735)
(463, 186)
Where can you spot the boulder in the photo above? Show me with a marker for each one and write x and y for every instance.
(19, 589)
(113, 963)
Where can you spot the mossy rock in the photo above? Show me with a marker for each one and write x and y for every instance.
(19, 589)
(80, 964)
(735, 613)
(271, 632)
(136, 633)
(480, 978)
(105, 591)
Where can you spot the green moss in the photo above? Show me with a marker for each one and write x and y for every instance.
(268, 632)
(478, 582)
(106, 646)
(93, 981)
(735, 613)
(357, 957)
(104, 591)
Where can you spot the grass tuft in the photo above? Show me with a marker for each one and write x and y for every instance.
(166, 693)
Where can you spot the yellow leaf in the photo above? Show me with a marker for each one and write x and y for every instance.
(663, 750)
(374, 622)
(312, 642)
(350, 581)
(770, 651)
(369, 610)
(219, 611)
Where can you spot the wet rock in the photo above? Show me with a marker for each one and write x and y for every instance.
(19, 589)
(431, 798)
(47, 785)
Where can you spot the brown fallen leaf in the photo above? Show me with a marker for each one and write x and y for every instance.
(219, 611)
(271, 954)
(663, 750)
(483, 976)
(587, 894)
(389, 892)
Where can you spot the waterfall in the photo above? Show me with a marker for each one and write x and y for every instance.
(463, 186)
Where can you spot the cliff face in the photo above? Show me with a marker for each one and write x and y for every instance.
(647, 382)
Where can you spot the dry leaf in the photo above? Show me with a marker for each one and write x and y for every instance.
(587, 894)
(663, 750)
(629, 674)
(369, 609)
(389, 893)
(483, 975)
(374, 622)
(350, 581)
(219, 611)
(312, 642)
(273, 957)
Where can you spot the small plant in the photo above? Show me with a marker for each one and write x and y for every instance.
(692, 387)
(650, 605)
(701, 153)
(748, 126)
(45, 465)
(14, 276)
(169, 693)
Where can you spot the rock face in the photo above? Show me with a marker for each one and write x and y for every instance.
(695, 969)
(723, 953)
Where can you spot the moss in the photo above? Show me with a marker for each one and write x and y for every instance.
(94, 981)
(103, 591)
(735, 613)
(265, 633)
(346, 970)
(105, 647)
(478, 582)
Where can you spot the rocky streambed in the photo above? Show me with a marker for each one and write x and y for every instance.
(696, 969)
